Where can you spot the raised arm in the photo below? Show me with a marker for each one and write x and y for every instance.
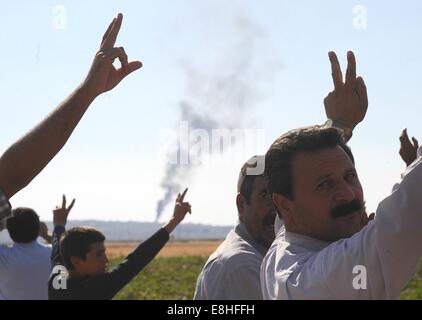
(43, 233)
(110, 283)
(25, 159)
(408, 150)
(180, 210)
(60, 215)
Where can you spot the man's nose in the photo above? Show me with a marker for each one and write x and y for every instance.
(344, 193)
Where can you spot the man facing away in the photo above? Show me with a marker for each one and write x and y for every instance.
(232, 271)
(25, 266)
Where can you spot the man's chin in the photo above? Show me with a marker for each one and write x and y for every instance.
(101, 271)
(350, 224)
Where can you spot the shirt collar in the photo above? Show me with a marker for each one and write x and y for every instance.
(305, 241)
(29, 244)
(243, 232)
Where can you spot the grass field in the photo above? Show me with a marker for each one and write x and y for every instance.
(170, 276)
(173, 274)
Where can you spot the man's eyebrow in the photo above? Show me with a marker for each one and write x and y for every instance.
(351, 170)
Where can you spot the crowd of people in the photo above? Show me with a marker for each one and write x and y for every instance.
(302, 230)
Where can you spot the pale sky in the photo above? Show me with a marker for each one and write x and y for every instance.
(278, 53)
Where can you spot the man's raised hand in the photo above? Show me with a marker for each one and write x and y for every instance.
(348, 103)
(60, 214)
(103, 76)
(181, 208)
(408, 150)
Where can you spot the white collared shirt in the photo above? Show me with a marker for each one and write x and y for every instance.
(232, 271)
(375, 263)
(24, 271)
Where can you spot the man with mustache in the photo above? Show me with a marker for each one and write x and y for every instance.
(326, 251)
(232, 271)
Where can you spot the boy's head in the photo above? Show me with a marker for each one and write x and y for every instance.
(24, 225)
(83, 251)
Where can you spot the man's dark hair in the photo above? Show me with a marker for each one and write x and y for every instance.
(24, 225)
(76, 242)
(278, 159)
(246, 181)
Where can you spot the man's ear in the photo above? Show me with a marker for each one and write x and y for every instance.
(240, 203)
(76, 262)
(283, 206)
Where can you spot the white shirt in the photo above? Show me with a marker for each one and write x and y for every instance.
(232, 271)
(24, 271)
(389, 247)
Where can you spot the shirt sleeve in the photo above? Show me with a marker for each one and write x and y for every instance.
(377, 262)
(56, 258)
(5, 207)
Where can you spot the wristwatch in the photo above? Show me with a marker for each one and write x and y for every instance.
(347, 132)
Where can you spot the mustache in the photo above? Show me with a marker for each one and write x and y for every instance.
(346, 208)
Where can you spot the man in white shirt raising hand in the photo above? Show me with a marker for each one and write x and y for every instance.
(326, 251)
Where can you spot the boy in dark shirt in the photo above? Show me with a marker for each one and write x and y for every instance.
(79, 259)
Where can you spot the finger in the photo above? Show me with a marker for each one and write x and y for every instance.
(362, 91)
(123, 58)
(112, 36)
(63, 201)
(335, 70)
(182, 197)
(187, 207)
(415, 143)
(131, 67)
(107, 33)
(71, 205)
(113, 53)
(351, 70)
(404, 138)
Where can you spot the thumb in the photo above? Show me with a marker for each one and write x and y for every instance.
(131, 67)
(404, 137)
(361, 90)
(415, 142)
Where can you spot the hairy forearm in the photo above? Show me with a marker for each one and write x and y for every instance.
(29, 155)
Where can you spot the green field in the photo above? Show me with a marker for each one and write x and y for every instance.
(172, 278)
(413, 290)
(175, 278)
